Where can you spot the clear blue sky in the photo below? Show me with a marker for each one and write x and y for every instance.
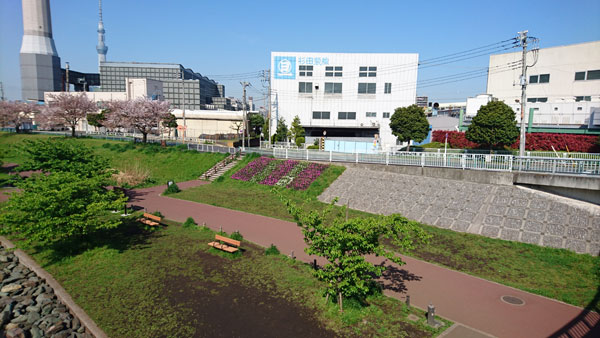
(225, 37)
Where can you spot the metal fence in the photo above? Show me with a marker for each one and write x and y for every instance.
(490, 162)
(543, 162)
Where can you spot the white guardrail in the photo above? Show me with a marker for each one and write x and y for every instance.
(542, 162)
(490, 162)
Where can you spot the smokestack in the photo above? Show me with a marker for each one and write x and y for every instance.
(40, 64)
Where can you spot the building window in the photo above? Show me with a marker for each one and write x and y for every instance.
(583, 98)
(386, 115)
(533, 79)
(367, 88)
(304, 87)
(306, 70)
(321, 115)
(537, 99)
(333, 88)
(331, 71)
(367, 71)
(346, 115)
(544, 78)
(579, 76)
(371, 114)
(388, 88)
(593, 74)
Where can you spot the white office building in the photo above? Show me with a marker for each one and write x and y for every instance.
(349, 97)
(563, 85)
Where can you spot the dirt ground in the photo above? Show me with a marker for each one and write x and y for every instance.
(222, 306)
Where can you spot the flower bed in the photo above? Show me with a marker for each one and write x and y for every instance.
(307, 176)
(253, 168)
(286, 173)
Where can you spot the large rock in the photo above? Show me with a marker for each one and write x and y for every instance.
(55, 328)
(11, 288)
(15, 333)
(32, 317)
(35, 332)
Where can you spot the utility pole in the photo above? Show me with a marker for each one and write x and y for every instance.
(183, 105)
(269, 111)
(1, 91)
(523, 41)
(244, 85)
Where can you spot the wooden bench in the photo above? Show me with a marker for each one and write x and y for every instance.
(225, 244)
(150, 219)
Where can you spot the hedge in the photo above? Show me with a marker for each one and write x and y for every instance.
(534, 141)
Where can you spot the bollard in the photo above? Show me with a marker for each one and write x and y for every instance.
(408, 300)
(315, 264)
(292, 255)
(221, 229)
(431, 315)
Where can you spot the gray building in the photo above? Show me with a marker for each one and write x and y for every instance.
(180, 84)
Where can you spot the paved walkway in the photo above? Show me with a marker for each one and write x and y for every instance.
(495, 211)
(468, 300)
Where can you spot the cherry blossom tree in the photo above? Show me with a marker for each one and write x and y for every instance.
(142, 114)
(67, 110)
(16, 114)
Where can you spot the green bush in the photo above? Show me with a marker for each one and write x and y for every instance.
(237, 236)
(272, 250)
(312, 146)
(189, 223)
(171, 189)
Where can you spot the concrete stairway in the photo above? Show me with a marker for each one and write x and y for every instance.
(219, 169)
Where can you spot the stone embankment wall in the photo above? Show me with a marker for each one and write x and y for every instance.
(29, 305)
(493, 210)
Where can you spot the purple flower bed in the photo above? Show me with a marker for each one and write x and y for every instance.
(307, 176)
(283, 169)
(253, 168)
(269, 171)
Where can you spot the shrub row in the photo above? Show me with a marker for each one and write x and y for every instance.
(533, 141)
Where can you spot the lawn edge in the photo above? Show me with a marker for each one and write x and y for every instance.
(59, 291)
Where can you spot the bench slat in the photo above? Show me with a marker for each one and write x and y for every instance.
(228, 240)
(152, 217)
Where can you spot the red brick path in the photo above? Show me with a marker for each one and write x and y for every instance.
(459, 297)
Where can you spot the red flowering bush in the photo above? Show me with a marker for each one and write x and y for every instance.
(533, 141)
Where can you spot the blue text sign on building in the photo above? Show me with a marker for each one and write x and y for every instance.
(285, 67)
(316, 61)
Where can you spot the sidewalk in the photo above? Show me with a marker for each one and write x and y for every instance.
(470, 301)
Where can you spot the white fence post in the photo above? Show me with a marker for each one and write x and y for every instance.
(387, 158)
(510, 160)
(330, 153)
(422, 159)
(357, 157)
(463, 161)
(307, 154)
(286, 154)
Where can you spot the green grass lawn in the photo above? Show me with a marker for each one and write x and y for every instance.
(161, 164)
(555, 273)
(170, 283)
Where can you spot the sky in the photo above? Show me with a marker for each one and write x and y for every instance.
(218, 38)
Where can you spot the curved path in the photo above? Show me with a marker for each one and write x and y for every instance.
(470, 301)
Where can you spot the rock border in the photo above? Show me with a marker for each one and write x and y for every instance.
(59, 291)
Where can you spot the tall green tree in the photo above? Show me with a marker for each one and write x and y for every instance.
(297, 132)
(409, 123)
(169, 122)
(57, 154)
(281, 132)
(345, 243)
(256, 122)
(60, 205)
(494, 126)
(97, 120)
